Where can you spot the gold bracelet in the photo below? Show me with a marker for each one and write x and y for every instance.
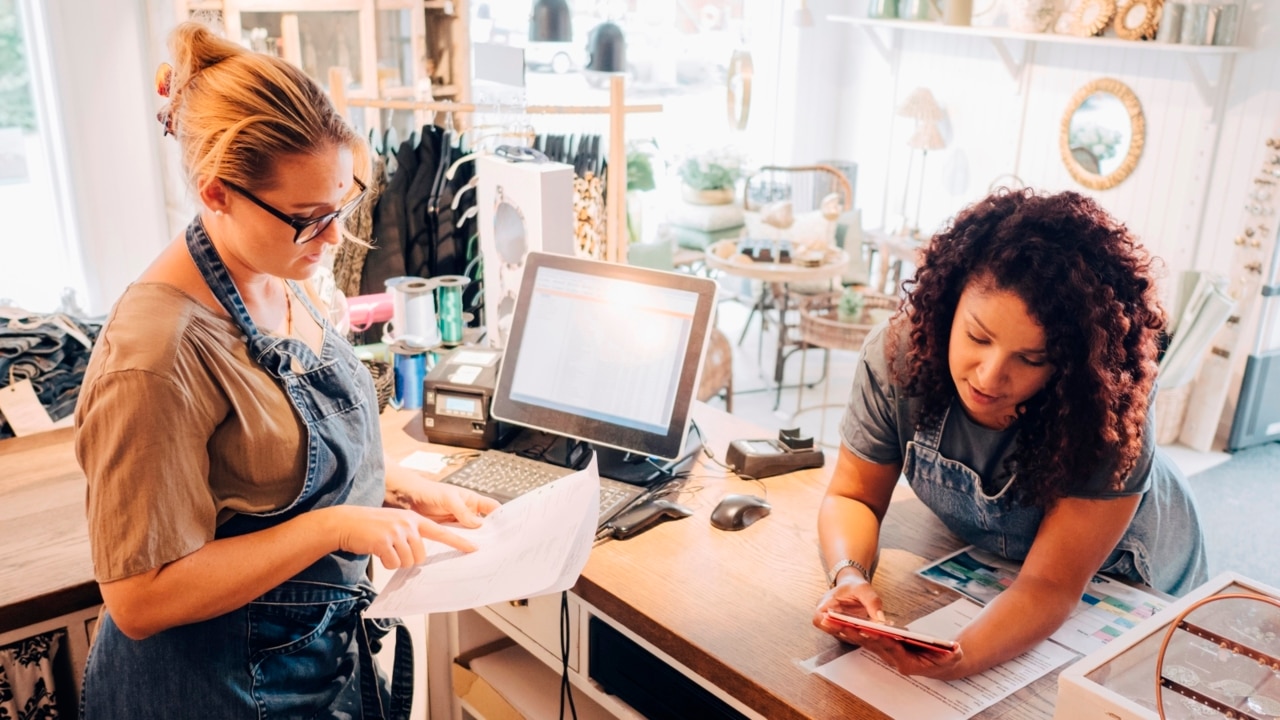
(835, 570)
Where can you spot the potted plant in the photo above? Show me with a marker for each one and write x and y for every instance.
(709, 178)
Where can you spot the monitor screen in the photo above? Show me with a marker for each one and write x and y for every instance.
(605, 353)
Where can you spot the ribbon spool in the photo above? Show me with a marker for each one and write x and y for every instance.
(410, 365)
(449, 289)
(413, 315)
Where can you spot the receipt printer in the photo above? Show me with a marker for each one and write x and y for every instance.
(456, 396)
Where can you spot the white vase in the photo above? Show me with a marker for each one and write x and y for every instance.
(1032, 16)
(718, 196)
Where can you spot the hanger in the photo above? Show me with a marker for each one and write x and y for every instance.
(470, 213)
(453, 169)
(457, 195)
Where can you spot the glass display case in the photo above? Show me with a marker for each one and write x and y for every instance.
(1220, 662)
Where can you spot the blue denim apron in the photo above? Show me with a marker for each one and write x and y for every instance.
(1163, 547)
(301, 650)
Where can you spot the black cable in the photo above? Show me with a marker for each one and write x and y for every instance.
(566, 687)
(706, 450)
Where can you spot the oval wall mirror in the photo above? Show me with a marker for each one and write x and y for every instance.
(1102, 134)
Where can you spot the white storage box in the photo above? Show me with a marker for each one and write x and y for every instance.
(524, 207)
(1118, 681)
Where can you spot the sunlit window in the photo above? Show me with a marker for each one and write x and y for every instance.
(37, 263)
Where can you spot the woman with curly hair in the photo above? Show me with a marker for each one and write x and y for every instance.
(1013, 391)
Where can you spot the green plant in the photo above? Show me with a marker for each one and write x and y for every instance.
(712, 170)
(849, 308)
(16, 106)
(639, 179)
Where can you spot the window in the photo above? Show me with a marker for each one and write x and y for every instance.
(38, 256)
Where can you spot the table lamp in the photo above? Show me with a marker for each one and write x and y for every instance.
(921, 107)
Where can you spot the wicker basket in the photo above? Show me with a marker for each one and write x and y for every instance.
(820, 325)
(384, 381)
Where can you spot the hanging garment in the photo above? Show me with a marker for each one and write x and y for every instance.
(349, 258)
(421, 230)
(390, 224)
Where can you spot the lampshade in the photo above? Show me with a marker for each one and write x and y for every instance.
(927, 137)
(549, 21)
(607, 48)
(921, 107)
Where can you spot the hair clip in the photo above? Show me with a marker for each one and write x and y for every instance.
(165, 117)
(164, 79)
(1273, 143)
(1264, 181)
(1258, 209)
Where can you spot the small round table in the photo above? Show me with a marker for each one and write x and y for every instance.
(723, 255)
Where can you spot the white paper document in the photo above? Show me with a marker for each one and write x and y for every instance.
(534, 545)
(865, 675)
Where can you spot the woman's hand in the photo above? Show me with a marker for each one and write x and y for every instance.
(907, 659)
(444, 503)
(854, 596)
(394, 535)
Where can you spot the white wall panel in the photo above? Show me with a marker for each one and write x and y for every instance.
(1185, 198)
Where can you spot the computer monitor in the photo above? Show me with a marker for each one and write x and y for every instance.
(606, 353)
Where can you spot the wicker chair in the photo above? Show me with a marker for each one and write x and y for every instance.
(717, 370)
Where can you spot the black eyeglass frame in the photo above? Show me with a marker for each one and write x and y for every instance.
(299, 226)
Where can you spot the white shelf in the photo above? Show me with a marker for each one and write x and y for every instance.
(1001, 33)
(999, 36)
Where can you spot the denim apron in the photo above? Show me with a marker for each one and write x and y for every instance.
(301, 650)
(1163, 547)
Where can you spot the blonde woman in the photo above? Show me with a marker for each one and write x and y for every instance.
(230, 438)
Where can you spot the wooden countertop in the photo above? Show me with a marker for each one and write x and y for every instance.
(733, 607)
(45, 566)
(737, 607)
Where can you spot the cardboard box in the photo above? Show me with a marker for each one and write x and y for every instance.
(1118, 681)
(503, 681)
(524, 207)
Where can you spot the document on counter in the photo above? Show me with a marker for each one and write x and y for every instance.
(533, 545)
(865, 675)
(1107, 609)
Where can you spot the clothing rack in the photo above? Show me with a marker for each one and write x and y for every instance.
(617, 110)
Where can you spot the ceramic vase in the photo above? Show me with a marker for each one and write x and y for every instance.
(1032, 16)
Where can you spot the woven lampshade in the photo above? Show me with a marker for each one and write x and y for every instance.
(927, 137)
(921, 107)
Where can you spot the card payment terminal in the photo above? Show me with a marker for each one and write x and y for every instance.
(456, 396)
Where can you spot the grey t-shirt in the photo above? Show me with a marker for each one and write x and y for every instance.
(880, 420)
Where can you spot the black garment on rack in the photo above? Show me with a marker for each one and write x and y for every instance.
(450, 250)
(390, 225)
(418, 260)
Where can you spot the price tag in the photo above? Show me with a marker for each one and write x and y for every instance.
(22, 409)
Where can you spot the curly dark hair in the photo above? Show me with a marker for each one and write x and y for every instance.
(1090, 285)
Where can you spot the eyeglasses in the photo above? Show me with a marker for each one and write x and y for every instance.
(305, 231)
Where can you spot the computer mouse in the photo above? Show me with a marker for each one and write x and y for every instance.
(736, 512)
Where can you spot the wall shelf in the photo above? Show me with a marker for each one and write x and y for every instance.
(1000, 37)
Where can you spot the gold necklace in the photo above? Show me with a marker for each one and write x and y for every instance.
(288, 310)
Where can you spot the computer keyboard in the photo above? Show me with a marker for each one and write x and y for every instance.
(505, 476)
